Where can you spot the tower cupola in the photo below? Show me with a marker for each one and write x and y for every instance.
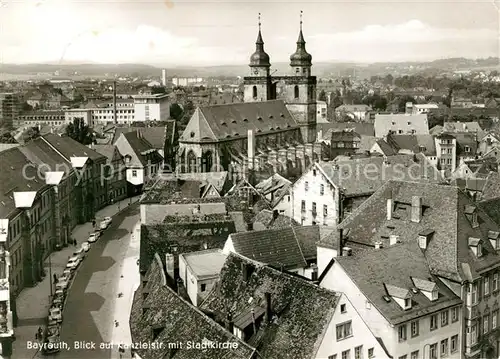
(301, 58)
(259, 58)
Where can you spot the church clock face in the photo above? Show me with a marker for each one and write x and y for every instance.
(256, 72)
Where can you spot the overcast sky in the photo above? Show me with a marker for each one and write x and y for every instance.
(214, 32)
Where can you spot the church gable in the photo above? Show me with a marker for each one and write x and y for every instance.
(197, 129)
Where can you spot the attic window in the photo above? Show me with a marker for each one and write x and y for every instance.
(259, 118)
(281, 115)
(476, 246)
(228, 136)
(271, 116)
(223, 123)
(236, 134)
(471, 214)
(191, 134)
(245, 120)
(408, 303)
(233, 121)
(271, 129)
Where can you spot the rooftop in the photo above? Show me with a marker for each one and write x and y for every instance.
(163, 316)
(363, 176)
(289, 247)
(300, 310)
(407, 264)
(205, 264)
(443, 212)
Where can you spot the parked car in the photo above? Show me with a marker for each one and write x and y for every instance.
(93, 237)
(86, 246)
(103, 225)
(55, 314)
(58, 302)
(52, 345)
(67, 273)
(107, 220)
(52, 324)
(52, 330)
(73, 262)
(80, 253)
(60, 292)
(62, 285)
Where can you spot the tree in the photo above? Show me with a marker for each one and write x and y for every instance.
(6, 137)
(187, 113)
(158, 90)
(322, 96)
(79, 131)
(26, 107)
(31, 133)
(176, 111)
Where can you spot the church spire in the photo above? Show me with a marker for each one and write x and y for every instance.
(259, 58)
(301, 57)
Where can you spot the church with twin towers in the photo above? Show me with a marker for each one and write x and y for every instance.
(275, 123)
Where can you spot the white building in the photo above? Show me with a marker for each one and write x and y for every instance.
(186, 81)
(331, 190)
(199, 271)
(87, 114)
(401, 124)
(423, 108)
(322, 112)
(413, 313)
(151, 107)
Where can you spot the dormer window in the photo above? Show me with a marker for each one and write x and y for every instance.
(407, 303)
(493, 236)
(467, 149)
(427, 287)
(424, 238)
(471, 214)
(402, 296)
(476, 246)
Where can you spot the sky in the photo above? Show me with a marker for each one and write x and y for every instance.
(207, 33)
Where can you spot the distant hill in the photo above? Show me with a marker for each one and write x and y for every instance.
(321, 69)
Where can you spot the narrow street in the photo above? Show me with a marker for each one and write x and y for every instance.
(89, 314)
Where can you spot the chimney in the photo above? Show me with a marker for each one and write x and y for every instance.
(340, 242)
(390, 206)
(378, 245)
(393, 239)
(251, 149)
(269, 310)
(275, 214)
(416, 209)
(230, 323)
(244, 270)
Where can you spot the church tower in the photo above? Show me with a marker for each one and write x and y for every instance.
(258, 85)
(301, 89)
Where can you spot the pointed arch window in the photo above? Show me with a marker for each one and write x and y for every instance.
(296, 91)
(254, 92)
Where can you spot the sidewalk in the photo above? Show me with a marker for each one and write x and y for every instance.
(33, 303)
(129, 282)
